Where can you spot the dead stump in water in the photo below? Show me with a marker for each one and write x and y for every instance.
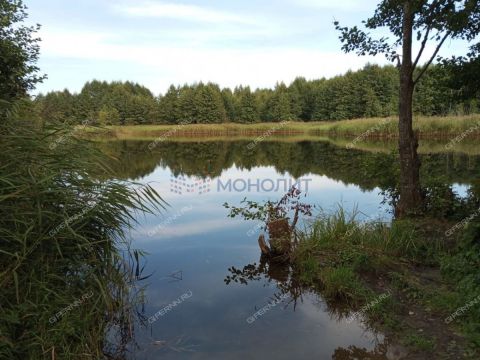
(280, 236)
(280, 240)
(263, 245)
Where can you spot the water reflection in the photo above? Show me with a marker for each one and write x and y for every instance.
(290, 292)
(356, 353)
(367, 170)
(280, 274)
(203, 244)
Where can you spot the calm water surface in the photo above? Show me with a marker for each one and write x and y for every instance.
(193, 246)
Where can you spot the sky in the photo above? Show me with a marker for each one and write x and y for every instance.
(157, 43)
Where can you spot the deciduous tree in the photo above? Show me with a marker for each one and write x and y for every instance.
(429, 22)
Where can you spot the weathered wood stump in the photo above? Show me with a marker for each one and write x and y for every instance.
(280, 239)
(280, 236)
(264, 248)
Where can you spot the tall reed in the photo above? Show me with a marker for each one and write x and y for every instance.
(68, 278)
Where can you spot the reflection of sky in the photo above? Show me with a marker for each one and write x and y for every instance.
(204, 243)
(208, 215)
(460, 190)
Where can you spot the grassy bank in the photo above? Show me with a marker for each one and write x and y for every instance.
(386, 146)
(428, 127)
(405, 279)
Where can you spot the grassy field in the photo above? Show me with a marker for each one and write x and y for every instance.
(428, 127)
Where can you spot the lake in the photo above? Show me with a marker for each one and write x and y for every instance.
(209, 295)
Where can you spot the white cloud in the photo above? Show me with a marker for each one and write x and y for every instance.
(209, 25)
(349, 5)
(184, 12)
(163, 65)
(200, 227)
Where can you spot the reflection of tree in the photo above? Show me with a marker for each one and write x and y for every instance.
(365, 169)
(355, 353)
(271, 271)
(284, 275)
(288, 284)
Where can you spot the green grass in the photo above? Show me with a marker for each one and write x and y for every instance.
(421, 269)
(342, 283)
(387, 127)
(467, 146)
(333, 231)
(420, 342)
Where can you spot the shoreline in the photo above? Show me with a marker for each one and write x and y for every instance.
(406, 294)
(442, 128)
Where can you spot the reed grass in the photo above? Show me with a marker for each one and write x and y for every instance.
(63, 231)
(428, 127)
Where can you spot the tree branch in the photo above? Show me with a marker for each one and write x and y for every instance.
(422, 47)
(432, 58)
(425, 39)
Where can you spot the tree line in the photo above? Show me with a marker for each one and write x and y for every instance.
(370, 92)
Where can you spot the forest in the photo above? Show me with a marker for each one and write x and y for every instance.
(370, 92)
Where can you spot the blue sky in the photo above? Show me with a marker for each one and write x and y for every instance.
(157, 43)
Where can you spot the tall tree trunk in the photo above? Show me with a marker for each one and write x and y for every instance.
(411, 198)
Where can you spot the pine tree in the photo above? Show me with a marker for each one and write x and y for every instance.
(168, 106)
(209, 105)
(371, 91)
(57, 106)
(300, 99)
(187, 110)
(247, 109)
(229, 102)
(280, 108)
